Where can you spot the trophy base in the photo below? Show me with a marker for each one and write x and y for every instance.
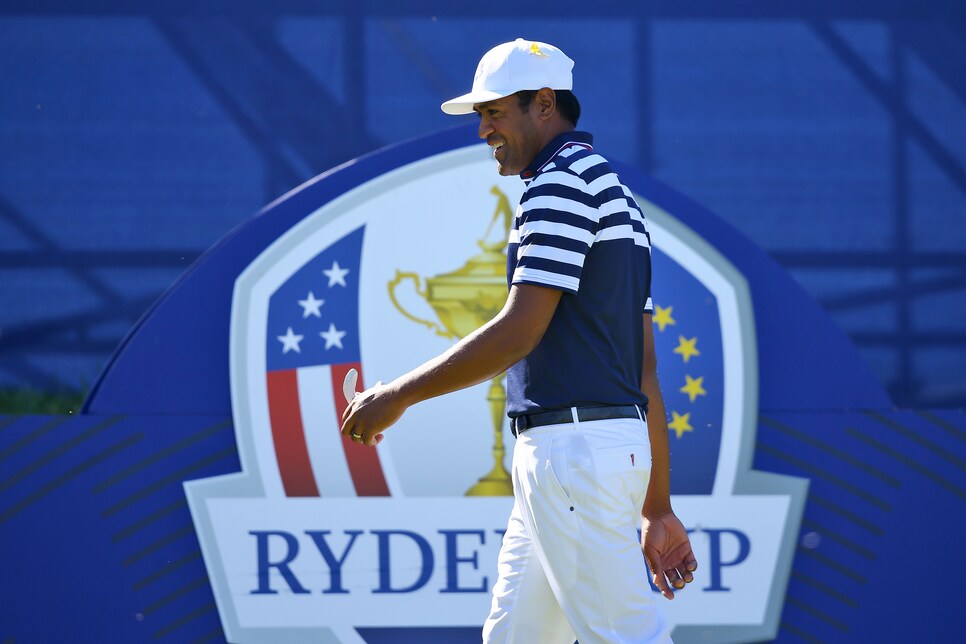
(490, 485)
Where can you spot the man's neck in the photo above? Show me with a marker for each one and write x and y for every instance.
(555, 129)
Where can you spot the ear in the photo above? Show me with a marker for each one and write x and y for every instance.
(545, 101)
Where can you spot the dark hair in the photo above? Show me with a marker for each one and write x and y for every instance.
(567, 103)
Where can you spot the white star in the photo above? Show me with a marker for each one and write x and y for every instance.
(290, 341)
(336, 275)
(333, 338)
(311, 306)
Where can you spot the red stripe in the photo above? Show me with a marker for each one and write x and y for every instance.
(292, 453)
(363, 461)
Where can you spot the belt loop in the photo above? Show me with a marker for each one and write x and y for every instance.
(573, 412)
(519, 425)
(640, 413)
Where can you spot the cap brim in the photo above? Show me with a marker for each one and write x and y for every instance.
(464, 104)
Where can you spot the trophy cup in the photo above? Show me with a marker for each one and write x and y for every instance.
(464, 300)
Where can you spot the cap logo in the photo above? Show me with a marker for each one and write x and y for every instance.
(535, 50)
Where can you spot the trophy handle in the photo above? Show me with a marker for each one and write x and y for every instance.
(400, 276)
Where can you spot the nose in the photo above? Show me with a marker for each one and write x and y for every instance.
(485, 128)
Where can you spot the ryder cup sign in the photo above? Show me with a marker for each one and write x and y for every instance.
(318, 537)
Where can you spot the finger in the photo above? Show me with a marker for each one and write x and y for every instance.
(683, 561)
(686, 575)
(349, 429)
(674, 578)
(662, 585)
(687, 566)
(658, 577)
(348, 410)
(691, 562)
(684, 567)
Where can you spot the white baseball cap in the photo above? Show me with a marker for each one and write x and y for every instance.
(511, 67)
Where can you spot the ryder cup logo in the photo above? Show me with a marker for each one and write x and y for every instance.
(318, 536)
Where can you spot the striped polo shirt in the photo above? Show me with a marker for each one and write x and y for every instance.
(578, 229)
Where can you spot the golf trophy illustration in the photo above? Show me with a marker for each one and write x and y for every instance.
(463, 300)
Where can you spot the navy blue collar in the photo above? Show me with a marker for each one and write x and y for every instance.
(559, 142)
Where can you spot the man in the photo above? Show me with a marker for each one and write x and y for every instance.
(576, 339)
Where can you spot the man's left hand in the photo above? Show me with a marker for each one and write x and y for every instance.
(667, 550)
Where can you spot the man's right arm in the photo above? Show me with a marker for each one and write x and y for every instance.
(481, 355)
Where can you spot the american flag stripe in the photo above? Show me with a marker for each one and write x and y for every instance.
(303, 416)
(288, 434)
(364, 464)
(326, 445)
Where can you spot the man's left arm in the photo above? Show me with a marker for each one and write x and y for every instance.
(664, 539)
(483, 354)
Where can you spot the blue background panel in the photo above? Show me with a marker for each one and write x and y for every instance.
(95, 525)
(135, 135)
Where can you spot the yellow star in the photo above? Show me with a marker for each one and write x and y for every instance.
(535, 50)
(693, 387)
(686, 348)
(662, 317)
(680, 423)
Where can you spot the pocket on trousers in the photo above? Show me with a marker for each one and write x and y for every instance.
(624, 471)
(558, 467)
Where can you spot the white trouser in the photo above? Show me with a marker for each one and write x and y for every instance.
(571, 564)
